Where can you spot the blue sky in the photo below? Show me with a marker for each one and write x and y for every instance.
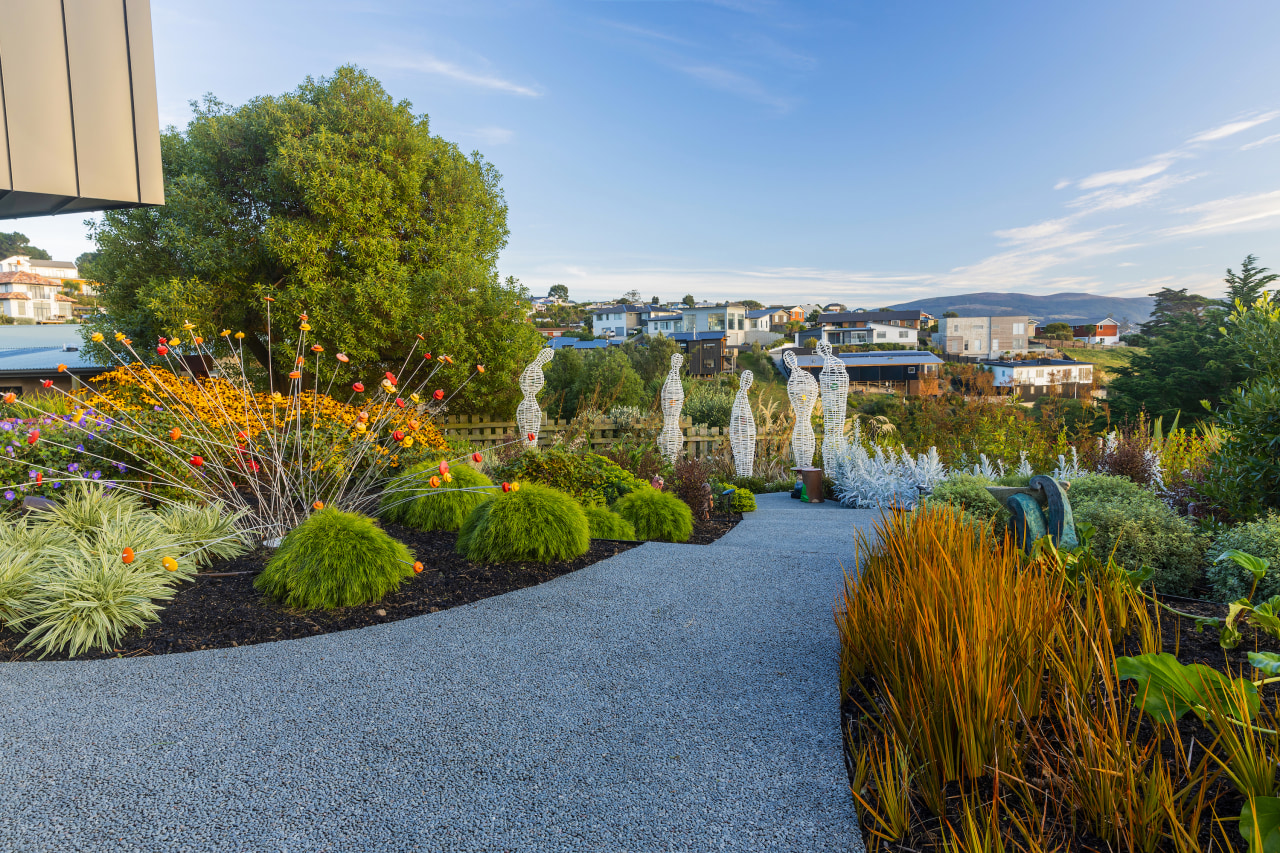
(869, 153)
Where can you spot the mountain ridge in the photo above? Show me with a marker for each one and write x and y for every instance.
(1065, 307)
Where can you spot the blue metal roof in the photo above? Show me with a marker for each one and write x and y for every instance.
(31, 349)
(701, 336)
(575, 343)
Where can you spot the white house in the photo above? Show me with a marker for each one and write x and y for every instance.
(730, 319)
(662, 321)
(1105, 332)
(57, 270)
(764, 325)
(871, 333)
(1037, 377)
(27, 296)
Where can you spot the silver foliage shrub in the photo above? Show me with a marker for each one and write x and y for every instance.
(883, 477)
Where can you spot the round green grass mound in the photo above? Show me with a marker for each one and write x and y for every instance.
(442, 508)
(607, 524)
(531, 524)
(335, 559)
(656, 515)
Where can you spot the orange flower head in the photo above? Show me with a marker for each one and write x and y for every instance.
(479, 368)
(317, 348)
(10, 397)
(300, 360)
(417, 568)
(318, 505)
(294, 374)
(342, 357)
(62, 368)
(127, 556)
(434, 482)
(364, 416)
(175, 434)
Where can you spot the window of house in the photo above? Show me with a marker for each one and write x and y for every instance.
(22, 309)
(1019, 328)
(880, 336)
(966, 346)
(995, 343)
(911, 368)
(715, 322)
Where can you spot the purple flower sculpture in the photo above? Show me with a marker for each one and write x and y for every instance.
(73, 467)
(96, 475)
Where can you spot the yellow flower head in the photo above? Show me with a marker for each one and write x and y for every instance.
(119, 336)
(96, 337)
(276, 396)
(306, 327)
(360, 427)
(175, 341)
(239, 336)
(226, 333)
(408, 441)
(188, 326)
(414, 397)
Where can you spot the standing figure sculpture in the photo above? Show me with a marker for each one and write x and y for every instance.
(802, 390)
(834, 380)
(671, 440)
(528, 413)
(742, 429)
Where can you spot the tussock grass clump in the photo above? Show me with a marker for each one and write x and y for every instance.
(441, 508)
(534, 523)
(607, 524)
(335, 559)
(656, 515)
(208, 532)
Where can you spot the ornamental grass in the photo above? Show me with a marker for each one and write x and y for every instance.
(656, 515)
(989, 704)
(607, 524)
(413, 502)
(335, 559)
(530, 523)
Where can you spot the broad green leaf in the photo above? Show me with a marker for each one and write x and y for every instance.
(1260, 824)
(1268, 662)
(1168, 689)
(1257, 565)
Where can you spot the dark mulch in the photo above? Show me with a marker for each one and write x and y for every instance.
(216, 612)
(1180, 637)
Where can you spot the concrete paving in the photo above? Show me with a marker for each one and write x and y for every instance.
(674, 697)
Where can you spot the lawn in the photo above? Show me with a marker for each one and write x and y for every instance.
(1107, 358)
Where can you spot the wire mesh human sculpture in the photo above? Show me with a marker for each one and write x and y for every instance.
(529, 413)
(834, 380)
(671, 439)
(802, 390)
(742, 428)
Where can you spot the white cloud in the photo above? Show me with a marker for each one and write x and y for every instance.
(735, 84)
(1236, 213)
(1062, 184)
(1127, 176)
(1115, 198)
(489, 135)
(428, 64)
(1266, 140)
(1232, 128)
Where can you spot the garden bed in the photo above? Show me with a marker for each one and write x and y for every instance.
(221, 608)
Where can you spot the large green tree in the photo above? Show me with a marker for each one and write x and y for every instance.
(1250, 284)
(335, 201)
(13, 243)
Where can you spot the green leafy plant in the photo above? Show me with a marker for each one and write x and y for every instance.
(1093, 488)
(1144, 532)
(1169, 689)
(607, 524)
(657, 515)
(589, 477)
(335, 559)
(206, 533)
(743, 501)
(969, 492)
(1228, 578)
(441, 508)
(19, 571)
(532, 523)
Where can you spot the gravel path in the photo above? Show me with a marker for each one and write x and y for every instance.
(674, 697)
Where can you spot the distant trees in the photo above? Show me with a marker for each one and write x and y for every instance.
(1251, 283)
(689, 300)
(14, 243)
(559, 291)
(1058, 331)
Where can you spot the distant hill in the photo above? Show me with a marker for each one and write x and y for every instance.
(1054, 308)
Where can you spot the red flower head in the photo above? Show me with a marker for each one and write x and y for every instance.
(253, 466)
(358, 387)
(444, 467)
(398, 435)
(39, 477)
(427, 356)
(162, 350)
(438, 394)
(476, 457)
(33, 436)
(163, 341)
(391, 377)
(48, 383)
(242, 435)
(506, 487)
(533, 436)
(399, 402)
(197, 461)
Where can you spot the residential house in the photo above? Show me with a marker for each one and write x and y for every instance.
(706, 353)
(766, 324)
(31, 297)
(868, 327)
(57, 270)
(911, 372)
(542, 303)
(1105, 332)
(800, 313)
(578, 343)
(730, 319)
(617, 321)
(834, 307)
(553, 331)
(983, 337)
(662, 321)
(1031, 378)
(29, 355)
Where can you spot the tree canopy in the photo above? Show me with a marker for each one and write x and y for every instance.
(334, 201)
(1250, 284)
(558, 291)
(14, 243)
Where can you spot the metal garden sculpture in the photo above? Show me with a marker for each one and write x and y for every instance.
(1036, 511)
(834, 379)
(802, 390)
(528, 413)
(671, 439)
(742, 428)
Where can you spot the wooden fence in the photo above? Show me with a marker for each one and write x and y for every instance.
(699, 439)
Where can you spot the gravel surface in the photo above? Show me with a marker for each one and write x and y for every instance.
(673, 697)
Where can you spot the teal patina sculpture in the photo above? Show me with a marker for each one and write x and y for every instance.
(1041, 509)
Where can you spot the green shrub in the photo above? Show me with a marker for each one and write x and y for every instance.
(442, 508)
(589, 477)
(335, 559)
(1260, 538)
(19, 571)
(1145, 532)
(607, 524)
(743, 501)
(534, 523)
(969, 492)
(1093, 488)
(1014, 479)
(709, 404)
(657, 515)
(89, 507)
